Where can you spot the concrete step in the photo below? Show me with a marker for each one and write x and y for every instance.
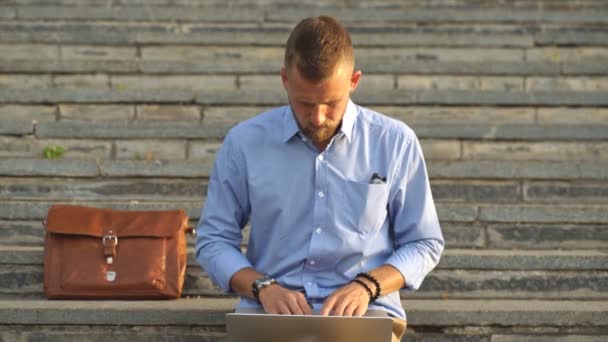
(268, 12)
(458, 212)
(448, 212)
(572, 274)
(162, 189)
(247, 60)
(486, 235)
(520, 4)
(186, 319)
(270, 33)
(276, 96)
(200, 167)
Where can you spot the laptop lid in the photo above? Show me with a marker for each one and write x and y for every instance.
(284, 328)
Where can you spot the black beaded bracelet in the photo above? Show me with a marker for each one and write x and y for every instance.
(373, 280)
(369, 291)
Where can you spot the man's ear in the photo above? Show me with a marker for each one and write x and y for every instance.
(284, 77)
(354, 80)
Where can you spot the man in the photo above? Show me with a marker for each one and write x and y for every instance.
(338, 197)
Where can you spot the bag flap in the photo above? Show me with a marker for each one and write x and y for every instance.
(79, 220)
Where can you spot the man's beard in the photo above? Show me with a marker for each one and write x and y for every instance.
(320, 134)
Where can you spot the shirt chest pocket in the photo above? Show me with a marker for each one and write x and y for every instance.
(363, 205)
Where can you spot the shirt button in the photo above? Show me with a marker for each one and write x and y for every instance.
(321, 194)
(309, 283)
(318, 230)
(321, 157)
(312, 262)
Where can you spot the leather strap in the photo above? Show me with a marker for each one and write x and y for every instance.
(109, 241)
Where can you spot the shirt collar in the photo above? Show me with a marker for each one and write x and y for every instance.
(290, 126)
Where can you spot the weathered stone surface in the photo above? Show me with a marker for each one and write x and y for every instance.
(449, 115)
(553, 132)
(112, 113)
(185, 82)
(157, 168)
(563, 37)
(38, 210)
(553, 338)
(24, 189)
(141, 130)
(545, 213)
(440, 149)
(25, 81)
(588, 68)
(579, 55)
(457, 213)
(168, 113)
(210, 312)
(19, 127)
(405, 55)
(442, 15)
(20, 279)
(513, 284)
(566, 83)
(572, 116)
(92, 52)
(459, 235)
(475, 192)
(53, 333)
(50, 65)
(151, 13)
(422, 337)
(537, 151)
(415, 82)
(21, 233)
(523, 260)
(30, 147)
(97, 81)
(27, 51)
(534, 236)
(485, 169)
(45, 167)
(7, 13)
(566, 192)
(552, 98)
(202, 150)
(58, 95)
(150, 149)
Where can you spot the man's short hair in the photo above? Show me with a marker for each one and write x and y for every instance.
(316, 45)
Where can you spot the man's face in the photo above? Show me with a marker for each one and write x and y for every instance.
(319, 106)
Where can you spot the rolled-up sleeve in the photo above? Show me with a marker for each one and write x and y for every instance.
(223, 217)
(417, 232)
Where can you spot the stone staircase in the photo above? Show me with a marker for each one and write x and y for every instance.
(509, 100)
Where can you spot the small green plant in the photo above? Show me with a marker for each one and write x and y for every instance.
(53, 151)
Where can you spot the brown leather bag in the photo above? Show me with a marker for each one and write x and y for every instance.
(92, 253)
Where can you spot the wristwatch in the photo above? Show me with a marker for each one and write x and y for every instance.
(261, 283)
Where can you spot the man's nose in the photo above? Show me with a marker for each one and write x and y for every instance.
(318, 115)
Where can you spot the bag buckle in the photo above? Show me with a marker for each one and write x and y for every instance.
(109, 243)
(112, 238)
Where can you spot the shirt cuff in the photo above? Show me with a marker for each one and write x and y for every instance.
(224, 266)
(415, 260)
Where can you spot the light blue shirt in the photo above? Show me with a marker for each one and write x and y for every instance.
(316, 219)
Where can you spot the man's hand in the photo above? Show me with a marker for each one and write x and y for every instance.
(349, 300)
(278, 300)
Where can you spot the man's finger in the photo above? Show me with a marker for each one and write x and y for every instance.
(350, 309)
(328, 306)
(294, 306)
(283, 309)
(340, 305)
(306, 309)
(360, 310)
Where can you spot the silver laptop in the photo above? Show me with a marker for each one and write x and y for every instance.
(244, 327)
